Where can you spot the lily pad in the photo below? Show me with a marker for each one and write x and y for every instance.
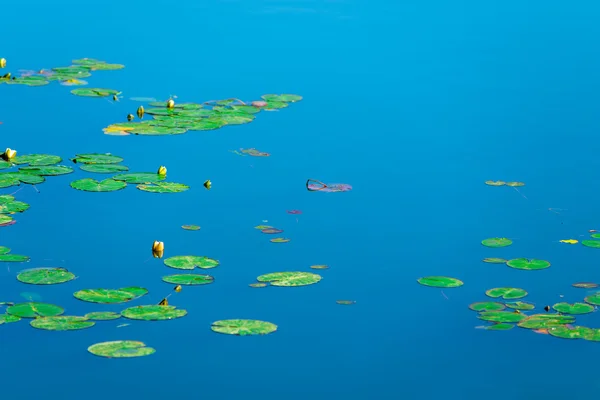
(515, 184)
(345, 302)
(499, 327)
(37, 160)
(440, 281)
(258, 285)
(45, 276)
(576, 308)
(104, 168)
(188, 279)
(94, 92)
(243, 327)
(271, 231)
(280, 240)
(591, 243)
(577, 332)
(92, 185)
(34, 309)
(190, 227)
(520, 305)
(495, 183)
(586, 285)
(102, 316)
(110, 296)
(51, 170)
(13, 207)
(290, 278)
(501, 316)
(96, 158)
(164, 187)
(5, 220)
(121, 349)
(153, 313)
(487, 306)
(506, 293)
(190, 262)
(319, 266)
(496, 242)
(287, 98)
(7, 318)
(137, 178)
(28, 81)
(544, 321)
(5, 164)
(13, 257)
(593, 299)
(4, 250)
(529, 265)
(62, 323)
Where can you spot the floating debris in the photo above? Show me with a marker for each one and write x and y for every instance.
(207, 184)
(312, 185)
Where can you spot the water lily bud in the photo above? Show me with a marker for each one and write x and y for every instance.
(162, 171)
(129, 117)
(2, 62)
(170, 103)
(140, 111)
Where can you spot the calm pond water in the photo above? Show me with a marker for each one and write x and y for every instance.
(414, 104)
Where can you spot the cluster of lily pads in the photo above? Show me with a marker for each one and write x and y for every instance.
(170, 118)
(68, 76)
(270, 230)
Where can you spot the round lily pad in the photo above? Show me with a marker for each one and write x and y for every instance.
(188, 279)
(577, 332)
(36, 160)
(164, 187)
(592, 335)
(499, 327)
(583, 285)
(287, 98)
(593, 299)
(319, 266)
(13, 257)
(595, 235)
(501, 316)
(440, 281)
(13, 207)
(190, 262)
(50, 170)
(104, 168)
(6, 220)
(515, 184)
(576, 308)
(96, 158)
(290, 278)
(121, 349)
(506, 293)
(529, 265)
(94, 92)
(280, 240)
(487, 306)
(345, 302)
(4, 250)
(102, 316)
(591, 243)
(495, 260)
(520, 305)
(190, 227)
(45, 276)
(137, 178)
(110, 296)
(153, 313)
(496, 242)
(92, 185)
(544, 321)
(34, 309)
(495, 183)
(61, 323)
(258, 285)
(243, 327)
(7, 318)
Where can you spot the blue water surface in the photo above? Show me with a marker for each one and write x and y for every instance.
(413, 103)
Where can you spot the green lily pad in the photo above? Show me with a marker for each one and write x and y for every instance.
(440, 281)
(190, 227)
(495, 183)
(592, 335)
(102, 316)
(275, 105)
(164, 187)
(121, 349)
(96, 158)
(51, 170)
(29, 81)
(591, 243)
(280, 240)
(528, 265)
(520, 305)
(595, 235)
(137, 178)
(6, 220)
(13, 207)
(496, 242)
(87, 61)
(501, 316)
(34, 309)
(4, 250)
(487, 306)
(593, 299)
(287, 98)
(544, 321)
(506, 293)
(576, 308)
(258, 284)
(61, 323)
(586, 285)
(92, 185)
(345, 302)
(153, 313)
(110, 296)
(5, 164)
(94, 92)
(246, 109)
(16, 178)
(319, 266)
(45, 276)
(499, 327)
(37, 160)
(289, 279)
(515, 184)
(106, 67)
(71, 70)
(7, 318)
(577, 332)
(190, 262)
(13, 257)
(188, 279)
(156, 130)
(243, 327)
(104, 168)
